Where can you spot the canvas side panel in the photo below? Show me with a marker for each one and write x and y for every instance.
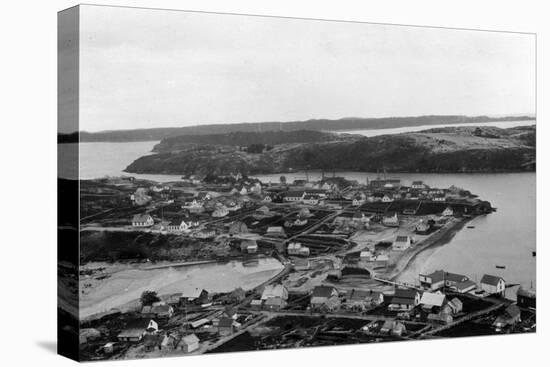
(67, 184)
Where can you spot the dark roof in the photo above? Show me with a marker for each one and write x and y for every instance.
(225, 322)
(405, 293)
(402, 301)
(294, 193)
(491, 279)
(401, 238)
(322, 291)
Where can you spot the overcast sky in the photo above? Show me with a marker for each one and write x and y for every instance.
(144, 68)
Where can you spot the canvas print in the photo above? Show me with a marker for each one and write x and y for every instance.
(242, 183)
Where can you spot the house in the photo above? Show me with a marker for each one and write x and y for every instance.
(438, 197)
(300, 221)
(159, 311)
(205, 234)
(324, 298)
(238, 227)
(151, 342)
(176, 226)
(453, 307)
(390, 220)
(294, 196)
(398, 329)
(440, 318)
(142, 220)
(433, 281)
(359, 199)
(301, 264)
(189, 343)
(387, 327)
(418, 185)
(274, 304)
(401, 243)
(511, 316)
(169, 342)
(404, 300)
(432, 301)
(243, 191)
(196, 296)
(375, 298)
(220, 212)
(448, 212)
(256, 304)
(267, 199)
(361, 300)
(387, 198)
(423, 227)
(493, 284)
(251, 246)
(311, 199)
(526, 298)
(225, 326)
(296, 249)
(275, 291)
(439, 279)
(276, 232)
(366, 256)
(137, 329)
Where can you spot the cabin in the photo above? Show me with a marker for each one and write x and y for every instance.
(324, 298)
(142, 220)
(137, 329)
(404, 300)
(196, 296)
(510, 317)
(390, 220)
(189, 343)
(526, 298)
(401, 243)
(493, 284)
(448, 212)
(432, 302)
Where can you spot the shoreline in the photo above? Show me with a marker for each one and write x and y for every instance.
(436, 240)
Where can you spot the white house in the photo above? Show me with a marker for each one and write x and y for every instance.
(294, 196)
(419, 185)
(359, 199)
(311, 199)
(391, 220)
(189, 343)
(493, 284)
(181, 227)
(387, 199)
(448, 212)
(142, 220)
(401, 243)
(430, 301)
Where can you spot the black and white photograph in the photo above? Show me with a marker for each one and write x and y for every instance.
(245, 183)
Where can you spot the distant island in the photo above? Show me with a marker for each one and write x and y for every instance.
(449, 149)
(349, 123)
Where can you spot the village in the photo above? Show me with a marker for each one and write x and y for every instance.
(342, 245)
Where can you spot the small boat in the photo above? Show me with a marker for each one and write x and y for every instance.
(501, 267)
(534, 253)
(470, 227)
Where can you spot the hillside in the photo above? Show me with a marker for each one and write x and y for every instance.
(451, 149)
(350, 123)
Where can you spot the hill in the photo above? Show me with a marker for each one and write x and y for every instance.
(350, 123)
(451, 149)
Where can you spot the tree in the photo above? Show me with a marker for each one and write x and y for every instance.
(282, 179)
(148, 298)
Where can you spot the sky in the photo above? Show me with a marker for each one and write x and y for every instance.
(142, 68)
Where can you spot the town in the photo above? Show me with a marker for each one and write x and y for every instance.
(342, 246)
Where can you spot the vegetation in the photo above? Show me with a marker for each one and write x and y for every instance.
(148, 298)
(452, 149)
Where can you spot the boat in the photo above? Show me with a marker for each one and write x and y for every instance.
(534, 253)
(501, 267)
(470, 227)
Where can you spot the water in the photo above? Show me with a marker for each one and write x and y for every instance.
(399, 130)
(126, 286)
(506, 237)
(98, 160)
